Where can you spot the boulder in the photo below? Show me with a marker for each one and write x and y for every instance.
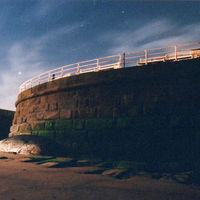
(31, 145)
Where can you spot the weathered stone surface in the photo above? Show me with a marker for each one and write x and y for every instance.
(17, 114)
(44, 107)
(24, 119)
(49, 125)
(32, 117)
(40, 116)
(19, 120)
(35, 108)
(65, 114)
(25, 127)
(47, 134)
(51, 115)
(53, 98)
(53, 106)
(63, 125)
(14, 128)
(37, 125)
(78, 124)
(99, 124)
(24, 111)
(62, 104)
(105, 112)
(29, 144)
(44, 99)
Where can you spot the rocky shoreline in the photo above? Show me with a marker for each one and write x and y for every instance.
(31, 177)
(41, 150)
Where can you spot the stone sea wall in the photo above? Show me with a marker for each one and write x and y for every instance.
(142, 113)
(6, 117)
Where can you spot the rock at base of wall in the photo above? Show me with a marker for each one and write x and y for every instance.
(31, 145)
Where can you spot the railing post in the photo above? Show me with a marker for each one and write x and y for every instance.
(175, 49)
(146, 56)
(49, 76)
(120, 60)
(61, 72)
(98, 68)
(124, 59)
(31, 82)
(78, 68)
(38, 79)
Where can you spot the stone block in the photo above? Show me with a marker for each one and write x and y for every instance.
(65, 104)
(43, 107)
(49, 125)
(34, 101)
(53, 98)
(14, 128)
(51, 115)
(31, 117)
(65, 114)
(85, 113)
(76, 113)
(25, 127)
(43, 99)
(35, 108)
(40, 116)
(24, 111)
(24, 119)
(63, 125)
(41, 87)
(17, 114)
(53, 106)
(34, 133)
(18, 108)
(78, 124)
(47, 133)
(25, 132)
(83, 102)
(14, 121)
(99, 124)
(105, 112)
(37, 125)
(124, 123)
(19, 120)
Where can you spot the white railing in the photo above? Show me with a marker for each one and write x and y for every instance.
(138, 58)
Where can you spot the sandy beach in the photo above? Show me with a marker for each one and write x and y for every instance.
(30, 181)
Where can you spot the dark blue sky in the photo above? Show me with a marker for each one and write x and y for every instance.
(37, 36)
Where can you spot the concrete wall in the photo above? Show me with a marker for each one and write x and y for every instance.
(131, 113)
(6, 117)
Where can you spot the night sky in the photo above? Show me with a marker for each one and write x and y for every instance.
(37, 36)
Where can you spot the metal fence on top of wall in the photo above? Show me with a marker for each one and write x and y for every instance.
(138, 58)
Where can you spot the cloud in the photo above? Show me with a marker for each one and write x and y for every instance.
(28, 58)
(24, 63)
(153, 34)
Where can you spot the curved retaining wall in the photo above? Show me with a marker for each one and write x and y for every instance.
(148, 112)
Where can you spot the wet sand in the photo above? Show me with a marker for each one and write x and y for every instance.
(29, 181)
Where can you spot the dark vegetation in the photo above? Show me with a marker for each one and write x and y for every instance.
(5, 124)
